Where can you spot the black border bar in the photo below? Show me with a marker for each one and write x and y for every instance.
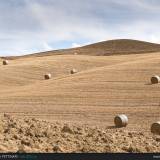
(80, 156)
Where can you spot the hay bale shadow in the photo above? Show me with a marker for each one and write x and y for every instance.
(113, 127)
(149, 83)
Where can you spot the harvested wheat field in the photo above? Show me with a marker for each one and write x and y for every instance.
(75, 112)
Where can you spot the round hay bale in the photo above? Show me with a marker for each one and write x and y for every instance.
(73, 71)
(5, 62)
(155, 79)
(121, 120)
(47, 76)
(155, 128)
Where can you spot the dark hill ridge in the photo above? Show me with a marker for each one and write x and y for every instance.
(105, 48)
(121, 46)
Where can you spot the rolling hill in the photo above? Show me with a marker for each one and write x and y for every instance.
(111, 47)
(103, 87)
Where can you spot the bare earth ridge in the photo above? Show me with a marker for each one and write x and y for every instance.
(31, 135)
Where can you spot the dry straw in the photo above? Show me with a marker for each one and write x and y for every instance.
(121, 120)
(47, 76)
(155, 128)
(5, 62)
(73, 71)
(155, 79)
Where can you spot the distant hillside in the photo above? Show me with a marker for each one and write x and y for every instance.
(121, 46)
(111, 47)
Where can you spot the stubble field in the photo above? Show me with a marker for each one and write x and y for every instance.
(85, 102)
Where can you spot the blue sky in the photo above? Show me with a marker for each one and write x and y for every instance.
(28, 26)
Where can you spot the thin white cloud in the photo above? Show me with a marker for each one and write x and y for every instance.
(75, 45)
(47, 46)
